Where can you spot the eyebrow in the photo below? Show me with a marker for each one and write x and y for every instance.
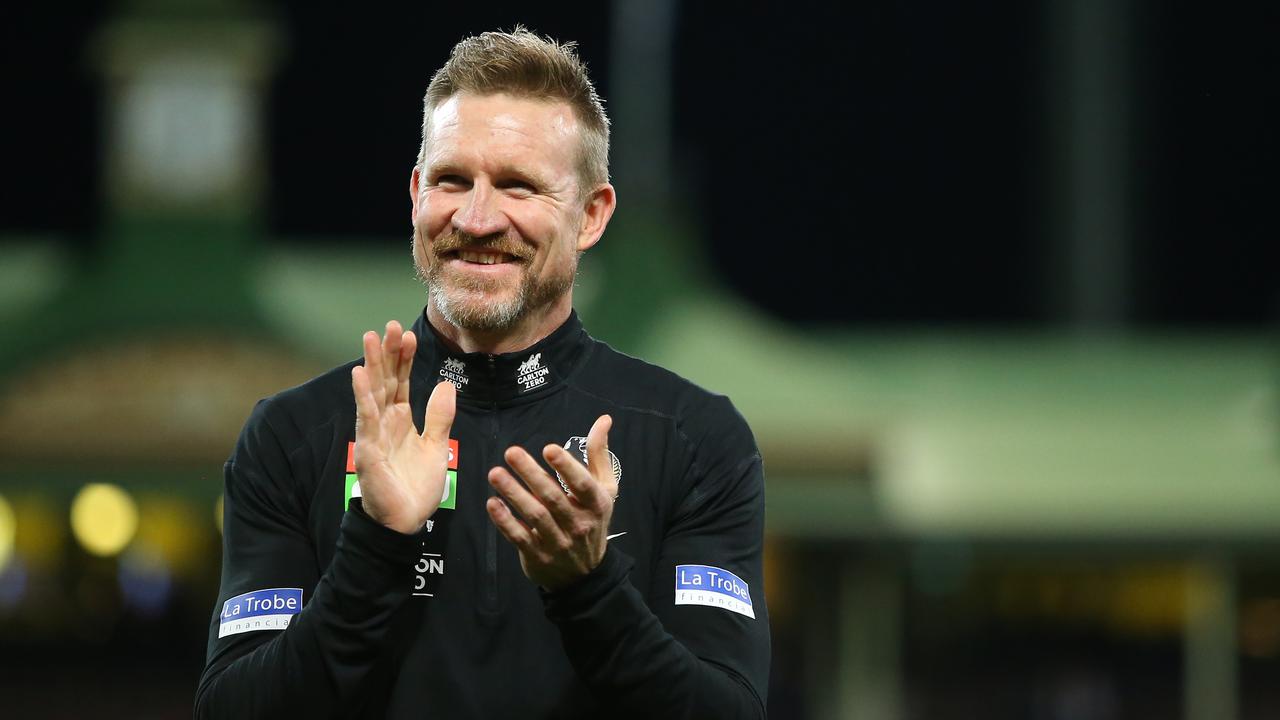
(447, 168)
(502, 172)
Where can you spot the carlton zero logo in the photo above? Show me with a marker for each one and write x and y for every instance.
(269, 609)
(448, 501)
(713, 587)
(455, 371)
(532, 373)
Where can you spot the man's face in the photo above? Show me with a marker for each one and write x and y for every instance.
(498, 215)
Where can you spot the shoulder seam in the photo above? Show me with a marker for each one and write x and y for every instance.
(633, 408)
(675, 420)
(303, 443)
(305, 437)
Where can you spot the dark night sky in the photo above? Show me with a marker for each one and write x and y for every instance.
(880, 163)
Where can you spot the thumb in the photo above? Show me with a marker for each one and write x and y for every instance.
(440, 410)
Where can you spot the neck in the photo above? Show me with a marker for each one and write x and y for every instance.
(526, 332)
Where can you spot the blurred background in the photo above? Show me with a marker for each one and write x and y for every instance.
(988, 279)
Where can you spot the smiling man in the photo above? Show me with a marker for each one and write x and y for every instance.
(501, 212)
(493, 514)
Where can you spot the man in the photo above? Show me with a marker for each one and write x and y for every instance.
(372, 570)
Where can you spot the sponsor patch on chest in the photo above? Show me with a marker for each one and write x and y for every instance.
(455, 371)
(532, 373)
(448, 501)
(713, 587)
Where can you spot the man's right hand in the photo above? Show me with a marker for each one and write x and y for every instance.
(401, 471)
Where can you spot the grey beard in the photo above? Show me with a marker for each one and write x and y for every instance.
(482, 317)
(488, 316)
(485, 315)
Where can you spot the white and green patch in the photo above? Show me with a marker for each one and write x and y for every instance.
(449, 501)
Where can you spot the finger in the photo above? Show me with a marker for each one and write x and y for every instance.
(535, 514)
(367, 414)
(408, 346)
(542, 485)
(391, 358)
(373, 365)
(508, 524)
(598, 460)
(576, 475)
(441, 407)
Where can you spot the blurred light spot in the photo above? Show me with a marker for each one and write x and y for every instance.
(103, 518)
(1154, 599)
(217, 514)
(145, 581)
(8, 531)
(170, 526)
(41, 536)
(13, 584)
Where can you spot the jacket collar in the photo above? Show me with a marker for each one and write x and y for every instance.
(481, 377)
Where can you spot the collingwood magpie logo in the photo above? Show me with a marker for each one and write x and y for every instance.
(455, 371)
(577, 446)
(532, 373)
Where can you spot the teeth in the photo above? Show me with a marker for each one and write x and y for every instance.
(483, 258)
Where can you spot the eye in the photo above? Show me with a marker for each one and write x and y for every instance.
(452, 182)
(520, 186)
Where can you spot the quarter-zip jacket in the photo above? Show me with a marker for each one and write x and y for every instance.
(323, 612)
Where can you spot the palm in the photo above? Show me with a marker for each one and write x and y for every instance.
(401, 471)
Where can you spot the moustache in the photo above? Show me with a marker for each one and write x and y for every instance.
(455, 241)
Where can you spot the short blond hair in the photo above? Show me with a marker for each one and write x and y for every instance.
(523, 64)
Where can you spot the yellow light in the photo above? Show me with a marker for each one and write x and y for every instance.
(8, 531)
(103, 518)
(168, 526)
(217, 514)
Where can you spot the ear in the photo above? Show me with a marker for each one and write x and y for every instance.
(596, 213)
(414, 178)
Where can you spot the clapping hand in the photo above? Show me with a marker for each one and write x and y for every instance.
(560, 536)
(401, 471)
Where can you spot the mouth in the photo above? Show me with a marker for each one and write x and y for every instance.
(480, 257)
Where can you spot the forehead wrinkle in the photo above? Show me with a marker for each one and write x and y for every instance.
(563, 120)
(458, 132)
(497, 163)
(561, 123)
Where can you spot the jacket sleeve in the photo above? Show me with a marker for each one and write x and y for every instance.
(318, 665)
(701, 652)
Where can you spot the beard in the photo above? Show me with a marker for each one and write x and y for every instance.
(486, 304)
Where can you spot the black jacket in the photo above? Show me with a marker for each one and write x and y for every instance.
(444, 624)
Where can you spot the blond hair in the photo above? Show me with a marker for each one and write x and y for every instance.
(522, 64)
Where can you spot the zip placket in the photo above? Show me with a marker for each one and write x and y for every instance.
(490, 601)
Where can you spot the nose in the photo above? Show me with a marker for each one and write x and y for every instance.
(480, 215)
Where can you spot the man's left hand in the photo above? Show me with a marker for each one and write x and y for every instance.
(560, 537)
